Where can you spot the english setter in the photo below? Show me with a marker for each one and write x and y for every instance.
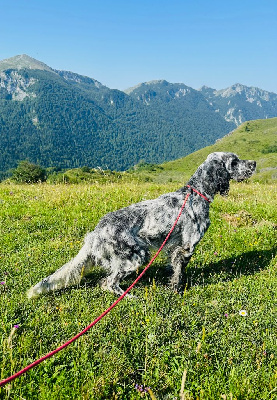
(122, 240)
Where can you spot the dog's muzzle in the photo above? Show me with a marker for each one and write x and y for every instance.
(247, 169)
(252, 165)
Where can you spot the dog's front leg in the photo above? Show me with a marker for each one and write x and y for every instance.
(179, 259)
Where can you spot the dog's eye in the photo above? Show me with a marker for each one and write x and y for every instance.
(234, 163)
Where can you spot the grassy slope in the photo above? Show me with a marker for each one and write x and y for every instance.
(248, 141)
(150, 340)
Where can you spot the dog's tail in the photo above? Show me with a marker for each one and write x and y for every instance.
(69, 274)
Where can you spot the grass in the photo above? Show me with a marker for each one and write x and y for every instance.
(152, 339)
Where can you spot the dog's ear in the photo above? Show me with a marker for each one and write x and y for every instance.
(219, 176)
(223, 179)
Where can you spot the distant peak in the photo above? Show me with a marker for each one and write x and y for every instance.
(23, 61)
(206, 89)
(157, 82)
(239, 87)
(145, 84)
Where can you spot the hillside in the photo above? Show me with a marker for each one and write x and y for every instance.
(252, 140)
(65, 120)
(184, 108)
(62, 119)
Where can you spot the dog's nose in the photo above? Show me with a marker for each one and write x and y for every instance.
(252, 165)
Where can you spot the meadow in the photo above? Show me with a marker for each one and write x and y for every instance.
(215, 341)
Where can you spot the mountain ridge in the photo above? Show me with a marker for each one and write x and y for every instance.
(23, 61)
(63, 119)
(239, 103)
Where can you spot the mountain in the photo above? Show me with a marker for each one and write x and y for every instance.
(23, 61)
(186, 110)
(235, 104)
(240, 103)
(63, 119)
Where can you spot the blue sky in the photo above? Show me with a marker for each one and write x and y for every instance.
(124, 42)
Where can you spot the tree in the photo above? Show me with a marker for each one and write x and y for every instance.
(27, 172)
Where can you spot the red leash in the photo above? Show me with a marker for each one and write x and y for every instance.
(200, 194)
(28, 367)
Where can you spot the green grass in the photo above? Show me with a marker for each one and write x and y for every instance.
(152, 339)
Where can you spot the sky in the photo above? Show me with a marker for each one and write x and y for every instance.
(122, 43)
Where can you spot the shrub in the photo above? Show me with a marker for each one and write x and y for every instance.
(269, 149)
(27, 172)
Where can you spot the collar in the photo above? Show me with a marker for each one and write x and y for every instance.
(200, 194)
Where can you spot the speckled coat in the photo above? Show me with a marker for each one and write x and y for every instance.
(122, 240)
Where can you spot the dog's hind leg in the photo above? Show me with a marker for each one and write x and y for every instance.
(112, 281)
(121, 268)
(69, 274)
(179, 259)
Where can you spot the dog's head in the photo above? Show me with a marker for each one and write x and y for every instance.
(228, 166)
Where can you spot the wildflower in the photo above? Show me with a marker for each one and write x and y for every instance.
(142, 388)
(2, 283)
(226, 315)
(243, 313)
(16, 326)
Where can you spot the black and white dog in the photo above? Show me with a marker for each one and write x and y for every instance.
(122, 240)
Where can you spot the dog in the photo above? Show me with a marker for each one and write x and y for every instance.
(122, 240)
